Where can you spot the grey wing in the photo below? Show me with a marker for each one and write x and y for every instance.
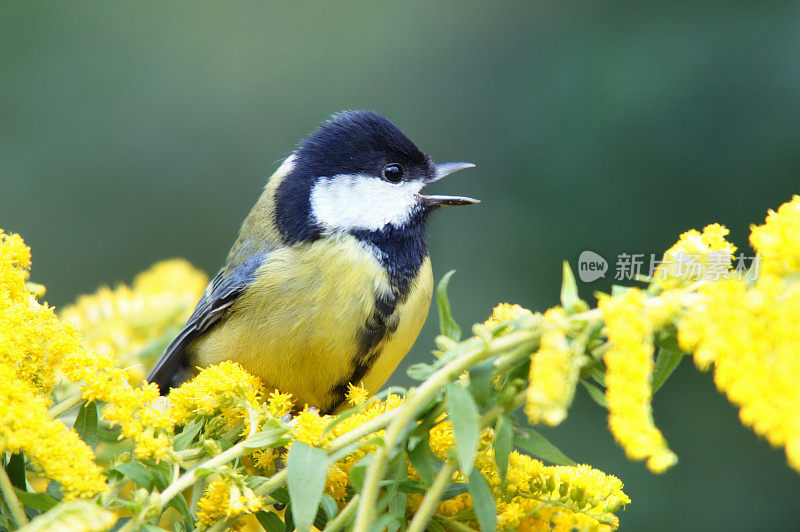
(221, 293)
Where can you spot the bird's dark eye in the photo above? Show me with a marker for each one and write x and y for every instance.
(393, 172)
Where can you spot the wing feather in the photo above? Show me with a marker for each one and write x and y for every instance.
(222, 292)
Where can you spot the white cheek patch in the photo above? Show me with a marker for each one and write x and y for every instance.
(363, 202)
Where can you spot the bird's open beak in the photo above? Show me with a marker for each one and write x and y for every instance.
(443, 170)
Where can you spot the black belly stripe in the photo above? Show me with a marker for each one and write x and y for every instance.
(381, 324)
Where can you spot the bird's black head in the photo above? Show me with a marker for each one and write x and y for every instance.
(357, 173)
(363, 143)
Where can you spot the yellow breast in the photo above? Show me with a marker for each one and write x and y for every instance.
(300, 326)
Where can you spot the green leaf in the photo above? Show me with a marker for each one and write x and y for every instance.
(384, 522)
(287, 516)
(668, 339)
(420, 371)
(396, 499)
(86, 424)
(270, 521)
(329, 505)
(503, 445)
(358, 472)
(538, 446)
(463, 414)
(182, 441)
(137, 472)
(15, 468)
(281, 495)
(447, 325)
(413, 487)
(428, 418)
(106, 435)
(267, 438)
(598, 376)
(618, 290)
(38, 501)
(162, 474)
(179, 503)
(435, 526)
(307, 468)
(666, 362)
(454, 490)
(520, 371)
(595, 393)
(480, 383)
(569, 289)
(482, 501)
(424, 461)
(321, 519)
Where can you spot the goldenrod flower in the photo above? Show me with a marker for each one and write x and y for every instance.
(309, 426)
(224, 499)
(127, 320)
(555, 369)
(15, 261)
(135, 410)
(57, 451)
(752, 338)
(356, 395)
(629, 368)
(539, 497)
(697, 256)
(32, 342)
(535, 496)
(505, 312)
(279, 404)
(224, 389)
(778, 240)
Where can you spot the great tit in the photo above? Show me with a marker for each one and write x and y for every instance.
(329, 281)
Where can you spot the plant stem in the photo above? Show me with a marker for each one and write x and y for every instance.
(477, 351)
(16, 508)
(276, 480)
(431, 500)
(58, 409)
(455, 525)
(344, 516)
(373, 425)
(190, 477)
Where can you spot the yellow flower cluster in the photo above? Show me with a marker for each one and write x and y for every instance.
(505, 312)
(224, 390)
(697, 256)
(629, 369)
(554, 373)
(560, 498)
(536, 497)
(778, 240)
(225, 498)
(128, 320)
(137, 410)
(309, 427)
(32, 342)
(751, 336)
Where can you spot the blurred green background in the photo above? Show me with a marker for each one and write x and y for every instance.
(139, 131)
